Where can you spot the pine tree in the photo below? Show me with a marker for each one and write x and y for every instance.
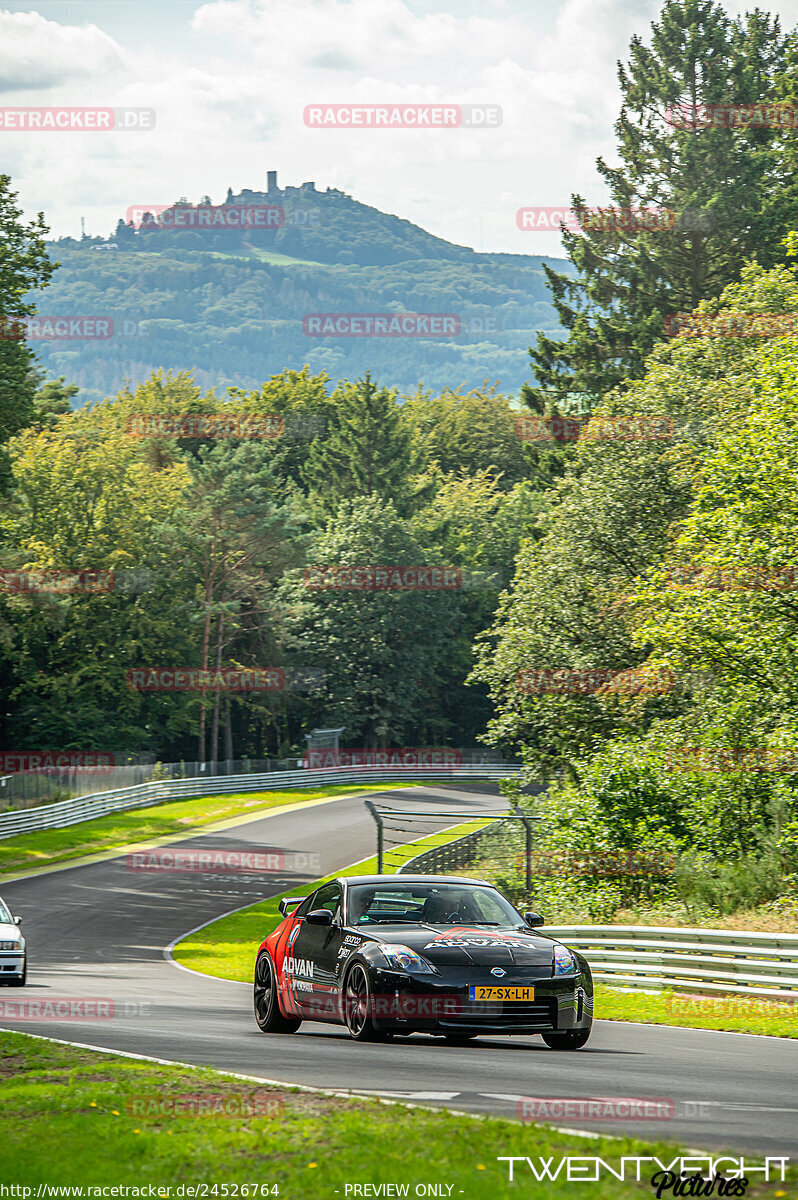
(367, 449)
(713, 180)
(24, 266)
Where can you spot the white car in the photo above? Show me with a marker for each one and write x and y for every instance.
(13, 958)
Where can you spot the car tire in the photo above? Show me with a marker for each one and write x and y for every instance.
(571, 1039)
(267, 1008)
(356, 999)
(20, 979)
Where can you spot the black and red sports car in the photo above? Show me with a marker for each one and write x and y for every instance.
(401, 954)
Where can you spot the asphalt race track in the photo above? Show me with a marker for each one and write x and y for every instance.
(99, 932)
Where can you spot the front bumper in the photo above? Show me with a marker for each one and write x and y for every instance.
(12, 964)
(430, 1004)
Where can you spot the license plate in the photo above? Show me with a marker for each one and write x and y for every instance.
(501, 993)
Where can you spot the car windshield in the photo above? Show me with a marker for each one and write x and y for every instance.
(429, 904)
(5, 915)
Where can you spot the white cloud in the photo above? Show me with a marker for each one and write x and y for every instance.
(37, 53)
(230, 85)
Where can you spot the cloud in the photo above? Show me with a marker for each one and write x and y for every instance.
(37, 53)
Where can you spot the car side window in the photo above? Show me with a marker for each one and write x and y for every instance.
(328, 897)
(302, 909)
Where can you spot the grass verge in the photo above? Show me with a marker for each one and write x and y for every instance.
(48, 847)
(74, 1117)
(735, 1014)
(226, 948)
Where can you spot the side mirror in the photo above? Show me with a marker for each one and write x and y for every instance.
(534, 919)
(17, 920)
(319, 916)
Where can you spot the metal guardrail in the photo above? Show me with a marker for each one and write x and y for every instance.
(688, 960)
(72, 812)
(440, 859)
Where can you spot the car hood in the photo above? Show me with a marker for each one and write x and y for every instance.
(451, 945)
(9, 931)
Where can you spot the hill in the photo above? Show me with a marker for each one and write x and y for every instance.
(232, 304)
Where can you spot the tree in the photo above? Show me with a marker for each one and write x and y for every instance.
(125, 235)
(366, 451)
(240, 531)
(83, 503)
(383, 653)
(24, 268)
(53, 399)
(717, 182)
(469, 433)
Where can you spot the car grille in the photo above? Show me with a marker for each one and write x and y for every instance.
(538, 1012)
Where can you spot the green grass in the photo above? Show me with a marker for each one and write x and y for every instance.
(739, 1014)
(75, 1117)
(226, 948)
(47, 847)
(268, 256)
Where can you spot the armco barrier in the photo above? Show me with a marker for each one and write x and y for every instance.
(706, 961)
(72, 812)
(439, 860)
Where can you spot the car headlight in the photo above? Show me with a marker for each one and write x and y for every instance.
(405, 959)
(10, 945)
(564, 961)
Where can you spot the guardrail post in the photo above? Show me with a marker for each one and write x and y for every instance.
(527, 849)
(378, 819)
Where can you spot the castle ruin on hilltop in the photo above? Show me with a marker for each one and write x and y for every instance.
(274, 193)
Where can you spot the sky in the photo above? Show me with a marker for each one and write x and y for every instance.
(229, 82)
